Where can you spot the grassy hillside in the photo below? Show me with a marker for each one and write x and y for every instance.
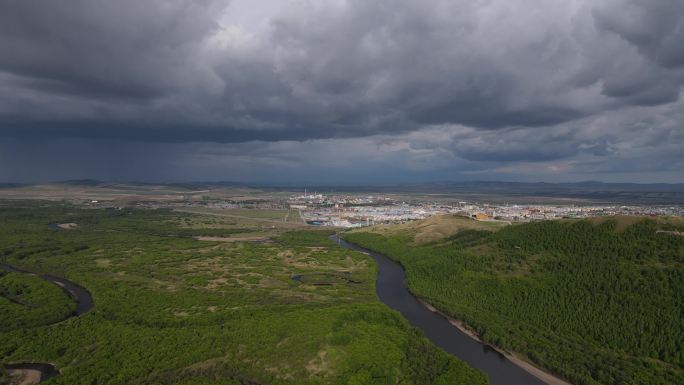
(170, 309)
(432, 229)
(598, 302)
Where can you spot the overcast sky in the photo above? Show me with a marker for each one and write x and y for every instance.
(342, 92)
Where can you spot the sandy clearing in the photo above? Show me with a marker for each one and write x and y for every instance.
(103, 263)
(320, 363)
(678, 233)
(24, 376)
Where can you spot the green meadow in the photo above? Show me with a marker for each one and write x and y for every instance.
(170, 309)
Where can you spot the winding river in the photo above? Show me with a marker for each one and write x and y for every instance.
(437, 328)
(391, 290)
(84, 302)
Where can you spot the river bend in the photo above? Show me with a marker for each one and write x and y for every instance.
(392, 291)
(84, 303)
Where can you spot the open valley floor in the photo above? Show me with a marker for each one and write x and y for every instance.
(194, 291)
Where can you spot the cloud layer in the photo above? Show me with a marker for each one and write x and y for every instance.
(433, 89)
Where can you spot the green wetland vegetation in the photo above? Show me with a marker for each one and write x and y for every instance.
(595, 301)
(28, 301)
(170, 309)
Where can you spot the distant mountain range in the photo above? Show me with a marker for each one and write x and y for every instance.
(623, 193)
(589, 186)
(589, 191)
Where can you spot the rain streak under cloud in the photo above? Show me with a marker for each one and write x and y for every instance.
(336, 91)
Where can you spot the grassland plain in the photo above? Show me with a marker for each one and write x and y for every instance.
(596, 301)
(170, 309)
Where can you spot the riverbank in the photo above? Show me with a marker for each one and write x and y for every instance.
(82, 297)
(34, 373)
(451, 334)
(523, 364)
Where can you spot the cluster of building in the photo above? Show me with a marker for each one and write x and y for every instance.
(523, 213)
(358, 211)
(358, 216)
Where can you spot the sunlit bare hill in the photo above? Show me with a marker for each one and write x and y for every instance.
(434, 228)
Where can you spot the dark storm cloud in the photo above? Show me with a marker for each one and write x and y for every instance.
(656, 28)
(101, 49)
(177, 71)
(475, 84)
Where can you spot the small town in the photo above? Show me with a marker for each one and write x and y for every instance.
(359, 211)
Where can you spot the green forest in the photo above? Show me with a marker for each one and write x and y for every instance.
(597, 302)
(171, 309)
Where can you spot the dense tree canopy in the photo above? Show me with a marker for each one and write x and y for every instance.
(598, 302)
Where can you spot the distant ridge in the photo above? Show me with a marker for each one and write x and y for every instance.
(10, 185)
(447, 186)
(437, 185)
(81, 182)
(589, 191)
(546, 186)
(512, 192)
(128, 184)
